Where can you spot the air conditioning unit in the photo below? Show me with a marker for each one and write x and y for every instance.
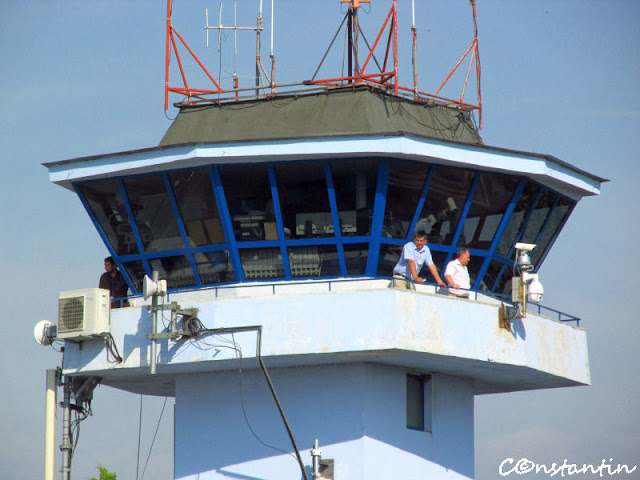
(83, 314)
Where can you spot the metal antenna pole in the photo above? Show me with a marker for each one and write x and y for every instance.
(258, 47)
(350, 44)
(66, 447)
(414, 34)
(220, 27)
(272, 56)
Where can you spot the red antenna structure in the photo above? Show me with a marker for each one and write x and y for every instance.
(371, 71)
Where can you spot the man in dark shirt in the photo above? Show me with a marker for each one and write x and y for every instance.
(113, 281)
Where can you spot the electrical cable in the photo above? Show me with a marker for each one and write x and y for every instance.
(242, 405)
(139, 435)
(112, 349)
(154, 438)
(258, 330)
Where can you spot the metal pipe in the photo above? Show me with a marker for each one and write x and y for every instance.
(50, 426)
(66, 447)
(154, 325)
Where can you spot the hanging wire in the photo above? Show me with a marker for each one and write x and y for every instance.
(139, 436)
(154, 438)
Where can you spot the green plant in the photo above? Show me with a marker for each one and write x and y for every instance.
(105, 474)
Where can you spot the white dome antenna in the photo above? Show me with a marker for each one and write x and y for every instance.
(44, 332)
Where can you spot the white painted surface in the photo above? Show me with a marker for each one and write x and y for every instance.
(545, 169)
(420, 330)
(356, 411)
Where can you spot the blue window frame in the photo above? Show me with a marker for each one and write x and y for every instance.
(317, 219)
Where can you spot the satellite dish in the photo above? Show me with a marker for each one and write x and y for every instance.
(44, 332)
(151, 288)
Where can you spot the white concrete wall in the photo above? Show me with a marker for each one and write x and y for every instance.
(357, 411)
(381, 325)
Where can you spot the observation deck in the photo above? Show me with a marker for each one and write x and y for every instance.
(320, 193)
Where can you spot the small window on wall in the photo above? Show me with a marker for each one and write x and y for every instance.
(419, 402)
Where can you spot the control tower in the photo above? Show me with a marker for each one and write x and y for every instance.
(258, 242)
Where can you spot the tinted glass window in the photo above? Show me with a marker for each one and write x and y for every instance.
(153, 213)
(176, 271)
(107, 204)
(492, 274)
(354, 183)
(406, 182)
(490, 200)
(389, 256)
(197, 205)
(559, 214)
(261, 263)
(514, 225)
(355, 258)
(320, 261)
(135, 271)
(248, 195)
(538, 217)
(214, 267)
(304, 202)
(448, 192)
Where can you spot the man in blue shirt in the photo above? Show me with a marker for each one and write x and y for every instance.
(414, 255)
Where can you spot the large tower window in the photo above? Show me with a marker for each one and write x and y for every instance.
(107, 206)
(153, 213)
(303, 198)
(196, 203)
(448, 192)
(517, 219)
(248, 194)
(355, 182)
(405, 185)
(488, 206)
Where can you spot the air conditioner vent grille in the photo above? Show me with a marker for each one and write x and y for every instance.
(71, 314)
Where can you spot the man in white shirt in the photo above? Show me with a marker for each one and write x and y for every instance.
(457, 275)
(414, 255)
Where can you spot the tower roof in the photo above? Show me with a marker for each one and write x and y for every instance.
(362, 110)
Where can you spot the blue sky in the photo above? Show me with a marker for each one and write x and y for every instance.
(559, 77)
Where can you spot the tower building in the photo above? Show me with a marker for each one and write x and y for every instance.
(258, 242)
